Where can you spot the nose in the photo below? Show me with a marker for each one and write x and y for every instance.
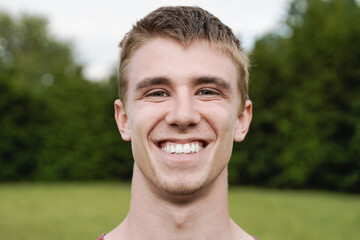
(183, 113)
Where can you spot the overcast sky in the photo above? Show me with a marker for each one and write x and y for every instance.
(96, 27)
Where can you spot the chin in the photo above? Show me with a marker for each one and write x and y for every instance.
(183, 186)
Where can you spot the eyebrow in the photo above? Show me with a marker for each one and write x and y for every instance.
(148, 82)
(151, 81)
(219, 82)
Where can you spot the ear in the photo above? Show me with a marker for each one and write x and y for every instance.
(122, 120)
(243, 122)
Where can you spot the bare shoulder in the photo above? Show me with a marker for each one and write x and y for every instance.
(118, 233)
(239, 233)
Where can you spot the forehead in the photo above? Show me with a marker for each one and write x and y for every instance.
(164, 57)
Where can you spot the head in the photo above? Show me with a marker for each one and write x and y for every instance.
(184, 24)
(183, 98)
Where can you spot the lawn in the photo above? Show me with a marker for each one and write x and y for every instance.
(83, 211)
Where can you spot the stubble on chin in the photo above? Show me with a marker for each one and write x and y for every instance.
(184, 188)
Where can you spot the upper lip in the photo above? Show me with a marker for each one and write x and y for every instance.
(182, 140)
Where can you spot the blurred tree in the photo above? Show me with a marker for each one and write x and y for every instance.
(21, 118)
(26, 70)
(31, 58)
(55, 124)
(305, 88)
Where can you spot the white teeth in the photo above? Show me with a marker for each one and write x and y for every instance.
(178, 148)
(186, 148)
(193, 148)
(182, 148)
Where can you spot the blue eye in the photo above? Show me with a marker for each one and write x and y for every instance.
(157, 94)
(207, 92)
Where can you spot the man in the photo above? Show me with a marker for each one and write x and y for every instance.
(183, 82)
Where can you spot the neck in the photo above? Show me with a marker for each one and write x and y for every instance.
(204, 215)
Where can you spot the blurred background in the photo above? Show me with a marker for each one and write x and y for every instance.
(65, 172)
(56, 115)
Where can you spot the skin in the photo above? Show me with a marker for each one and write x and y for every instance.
(179, 95)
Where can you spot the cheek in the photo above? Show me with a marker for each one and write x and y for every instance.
(221, 118)
(140, 125)
(144, 120)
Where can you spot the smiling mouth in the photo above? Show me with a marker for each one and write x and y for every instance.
(182, 148)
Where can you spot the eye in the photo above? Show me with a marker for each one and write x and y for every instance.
(157, 93)
(208, 92)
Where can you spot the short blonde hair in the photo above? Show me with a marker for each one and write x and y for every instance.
(184, 24)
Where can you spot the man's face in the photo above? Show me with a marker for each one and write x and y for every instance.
(181, 113)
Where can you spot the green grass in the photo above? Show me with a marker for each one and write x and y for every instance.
(83, 211)
(305, 215)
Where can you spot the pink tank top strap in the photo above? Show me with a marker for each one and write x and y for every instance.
(101, 237)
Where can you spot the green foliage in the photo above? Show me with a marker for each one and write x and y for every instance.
(305, 88)
(21, 120)
(56, 125)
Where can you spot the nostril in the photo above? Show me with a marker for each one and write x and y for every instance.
(183, 120)
(184, 113)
